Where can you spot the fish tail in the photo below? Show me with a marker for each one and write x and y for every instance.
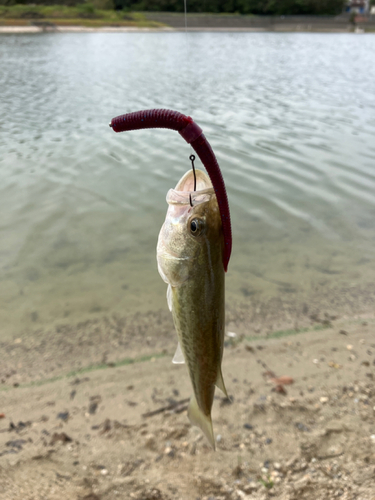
(204, 422)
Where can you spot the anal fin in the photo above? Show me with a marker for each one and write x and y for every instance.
(178, 358)
(220, 383)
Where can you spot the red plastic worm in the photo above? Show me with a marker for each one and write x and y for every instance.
(192, 133)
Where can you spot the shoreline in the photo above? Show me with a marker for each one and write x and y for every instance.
(47, 351)
(112, 29)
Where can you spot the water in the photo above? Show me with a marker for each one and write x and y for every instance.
(291, 118)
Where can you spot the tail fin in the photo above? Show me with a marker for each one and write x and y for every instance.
(198, 418)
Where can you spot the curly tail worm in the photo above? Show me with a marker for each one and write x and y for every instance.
(193, 135)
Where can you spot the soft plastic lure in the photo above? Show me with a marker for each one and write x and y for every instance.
(193, 135)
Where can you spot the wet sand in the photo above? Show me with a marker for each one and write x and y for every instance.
(97, 410)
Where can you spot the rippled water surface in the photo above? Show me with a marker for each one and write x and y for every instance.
(291, 118)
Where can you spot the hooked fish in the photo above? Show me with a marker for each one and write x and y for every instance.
(193, 253)
(190, 260)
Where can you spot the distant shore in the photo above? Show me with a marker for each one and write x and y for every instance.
(38, 20)
(123, 29)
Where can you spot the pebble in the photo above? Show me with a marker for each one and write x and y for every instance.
(249, 488)
(335, 426)
(64, 438)
(63, 415)
(104, 472)
(324, 399)
(231, 335)
(151, 443)
(169, 451)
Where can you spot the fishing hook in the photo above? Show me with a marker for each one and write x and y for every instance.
(192, 159)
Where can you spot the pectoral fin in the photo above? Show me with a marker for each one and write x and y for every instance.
(220, 383)
(178, 358)
(169, 297)
(198, 418)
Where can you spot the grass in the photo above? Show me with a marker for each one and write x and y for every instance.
(267, 483)
(287, 333)
(61, 15)
(87, 369)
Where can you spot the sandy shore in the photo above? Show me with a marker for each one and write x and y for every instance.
(98, 411)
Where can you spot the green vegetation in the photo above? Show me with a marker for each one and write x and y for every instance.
(85, 14)
(95, 8)
(267, 483)
(90, 368)
(287, 333)
(259, 7)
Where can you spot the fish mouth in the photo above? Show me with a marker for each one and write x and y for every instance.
(184, 194)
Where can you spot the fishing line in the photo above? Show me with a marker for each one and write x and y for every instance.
(192, 158)
(187, 55)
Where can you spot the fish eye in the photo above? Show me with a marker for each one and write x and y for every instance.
(196, 226)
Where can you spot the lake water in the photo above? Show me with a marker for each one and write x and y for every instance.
(291, 118)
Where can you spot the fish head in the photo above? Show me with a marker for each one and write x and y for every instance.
(191, 235)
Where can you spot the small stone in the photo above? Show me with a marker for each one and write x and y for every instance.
(349, 347)
(252, 486)
(335, 426)
(324, 399)
(64, 438)
(302, 483)
(169, 451)
(104, 472)
(92, 408)
(231, 335)
(63, 415)
(151, 442)
(277, 466)
(316, 361)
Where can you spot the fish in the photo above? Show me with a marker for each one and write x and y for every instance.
(190, 260)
